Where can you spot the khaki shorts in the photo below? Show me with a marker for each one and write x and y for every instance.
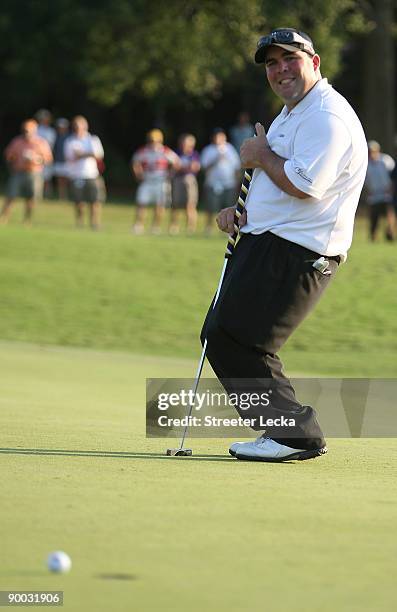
(27, 185)
(184, 191)
(87, 190)
(156, 192)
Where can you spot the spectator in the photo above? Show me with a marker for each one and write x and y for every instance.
(82, 152)
(26, 156)
(221, 164)
(378, 189)
(393, 177)
(242, 130)
(151, 165)
(44, 130)
(184, 185)
(60, 168)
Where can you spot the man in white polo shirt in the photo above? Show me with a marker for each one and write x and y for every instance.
(308, 174)
(83, 151)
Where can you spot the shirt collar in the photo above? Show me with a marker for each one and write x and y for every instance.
(320, 86)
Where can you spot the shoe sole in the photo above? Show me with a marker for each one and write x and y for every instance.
(300, 456)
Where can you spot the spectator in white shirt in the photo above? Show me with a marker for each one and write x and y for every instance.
(379, 190)
(82, 153)
(221, 165)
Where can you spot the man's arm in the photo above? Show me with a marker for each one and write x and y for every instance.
(137, 169)
(256, 153)
(10, 152)
(46, 152)
(173, 159)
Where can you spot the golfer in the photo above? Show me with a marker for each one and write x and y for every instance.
(309, 170)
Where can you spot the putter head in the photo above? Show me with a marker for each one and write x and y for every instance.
(179, 452)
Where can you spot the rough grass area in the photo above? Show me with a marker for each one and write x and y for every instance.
(149, 294)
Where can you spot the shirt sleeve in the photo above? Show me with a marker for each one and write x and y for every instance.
(137, 156)
(208, 156)
(320, 153)
(172, 157)
(10, 149)
(388, 161)
(97, 147)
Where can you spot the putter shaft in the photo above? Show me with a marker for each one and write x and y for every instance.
(231, 243)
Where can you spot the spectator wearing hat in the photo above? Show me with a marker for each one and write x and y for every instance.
(27, 156)
(60, 168)
(379, 191)
(221, 165)
(152, 165)
(82, 152)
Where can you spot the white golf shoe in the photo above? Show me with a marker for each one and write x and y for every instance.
(233, 448)
(266, 449)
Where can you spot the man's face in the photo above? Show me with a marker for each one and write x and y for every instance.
(219, 138)
(80, 127)
(29, 129)
(187, 144)
(291, 74)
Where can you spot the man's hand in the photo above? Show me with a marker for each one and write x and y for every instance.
(256, 153)
(225, 219)
(253, 149)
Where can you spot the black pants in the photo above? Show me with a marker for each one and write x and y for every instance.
(376, 211)
(269, 287)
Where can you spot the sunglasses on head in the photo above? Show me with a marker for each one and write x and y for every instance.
(286, 37)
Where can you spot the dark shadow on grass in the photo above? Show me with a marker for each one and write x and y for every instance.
(109, 454)
(116, 576)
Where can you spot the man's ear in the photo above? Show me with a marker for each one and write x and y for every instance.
(316, 61)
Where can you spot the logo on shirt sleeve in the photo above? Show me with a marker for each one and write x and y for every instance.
(301, 173)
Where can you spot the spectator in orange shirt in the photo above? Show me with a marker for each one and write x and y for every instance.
(26, 156)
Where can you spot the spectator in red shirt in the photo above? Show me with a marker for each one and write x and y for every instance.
(151, 165)
(26, 155)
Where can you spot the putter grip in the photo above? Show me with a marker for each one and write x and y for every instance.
(231, 242)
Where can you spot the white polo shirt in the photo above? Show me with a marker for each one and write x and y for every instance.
(85, 167)
(221, 163)
(326, 155)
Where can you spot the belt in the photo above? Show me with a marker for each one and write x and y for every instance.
(336, 258)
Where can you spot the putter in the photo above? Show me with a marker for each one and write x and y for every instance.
(231, 243)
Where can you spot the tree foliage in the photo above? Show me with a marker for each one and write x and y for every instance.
(106, 48)
(168, 49)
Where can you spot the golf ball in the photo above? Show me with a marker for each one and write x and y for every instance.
(59, 562)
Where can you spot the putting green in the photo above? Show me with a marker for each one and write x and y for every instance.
(149, 532)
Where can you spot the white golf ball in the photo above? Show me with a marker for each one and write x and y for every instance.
(59, 562)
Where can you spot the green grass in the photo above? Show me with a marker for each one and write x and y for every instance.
(149, 294)
(206, 533)
(84, 319)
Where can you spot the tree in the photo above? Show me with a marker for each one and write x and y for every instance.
(168, 60)
(379, 77)
(171, 49)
